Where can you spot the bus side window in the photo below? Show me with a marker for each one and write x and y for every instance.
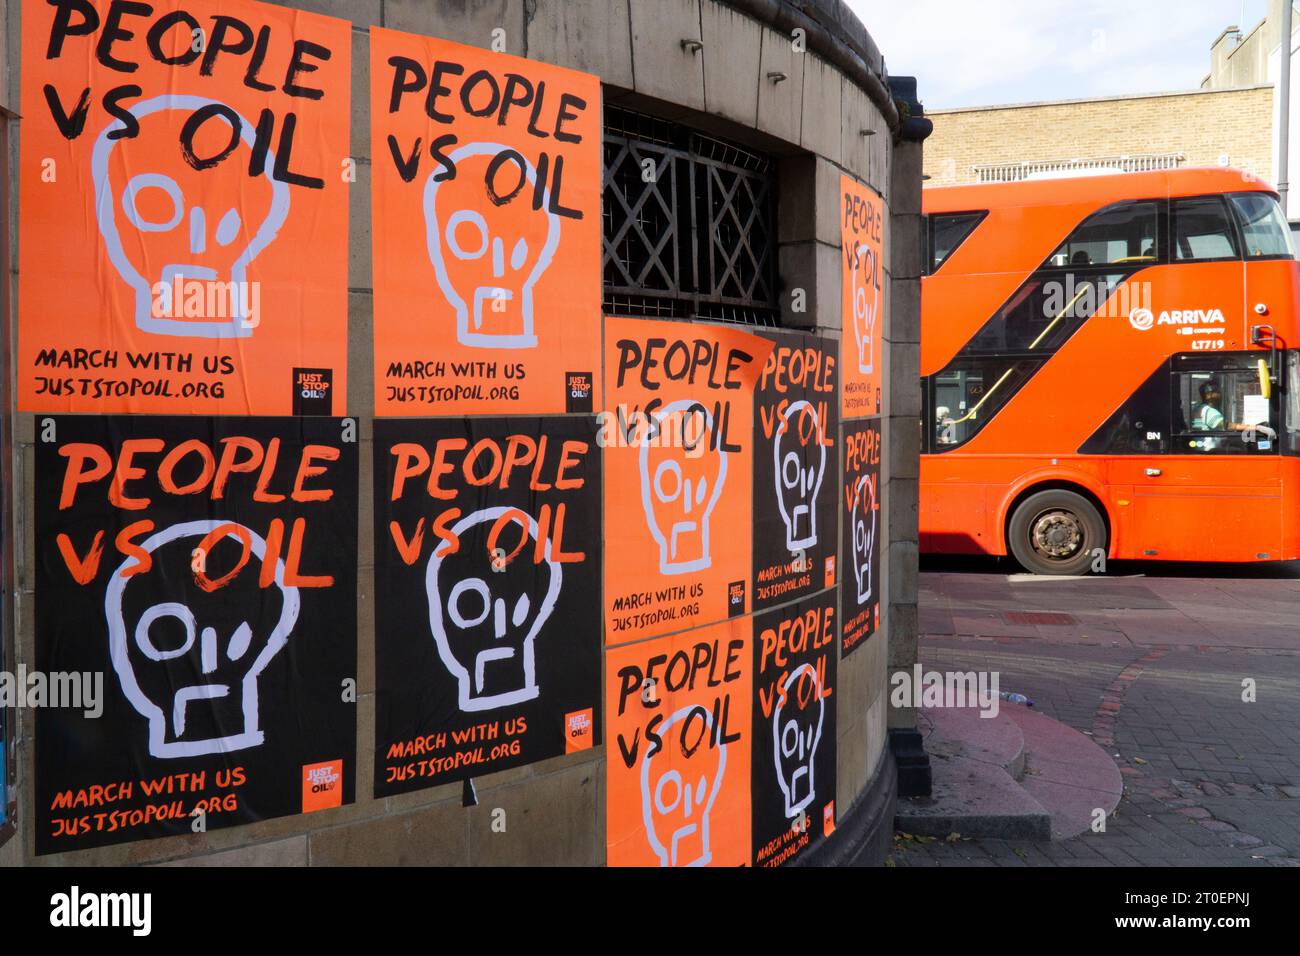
(1223, 409)
(948, 231)
(1291, 396)
(1263, 226)
(1125, 233)
(967, 394)
(1203, 230)
(1141, 425)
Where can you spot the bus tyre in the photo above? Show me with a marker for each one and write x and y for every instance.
(1056, 532)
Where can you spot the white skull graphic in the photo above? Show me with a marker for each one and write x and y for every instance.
(796, 732)
(866, 305)
(206, 233)
(489, 248)
(798, 473)
(681, 481)
(863, 521)
(486, 611)
(679, 784)
(194, 678)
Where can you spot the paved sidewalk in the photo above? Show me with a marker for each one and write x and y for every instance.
(1154, 669)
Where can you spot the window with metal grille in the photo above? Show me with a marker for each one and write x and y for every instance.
(689, 224)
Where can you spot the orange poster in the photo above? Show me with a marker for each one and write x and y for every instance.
(486, 208)
(862, 225)
(679, 739)
(183, 227)
(678, 435)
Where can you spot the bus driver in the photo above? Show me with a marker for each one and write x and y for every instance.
(1210, 416)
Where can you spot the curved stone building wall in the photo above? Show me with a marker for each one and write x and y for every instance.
(799, 83)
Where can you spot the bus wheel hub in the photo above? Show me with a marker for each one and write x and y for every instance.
(1057, 535)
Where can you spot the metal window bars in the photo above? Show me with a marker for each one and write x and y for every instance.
(689, 224)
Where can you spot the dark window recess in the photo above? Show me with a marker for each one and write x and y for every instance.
(1141, 425)
(689, 224)
(946, 232)
(1045, 312)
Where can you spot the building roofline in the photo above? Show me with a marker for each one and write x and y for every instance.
(1247, 34)
(1226, 31)
(1097, 99)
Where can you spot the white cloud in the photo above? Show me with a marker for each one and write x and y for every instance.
(1010, 51)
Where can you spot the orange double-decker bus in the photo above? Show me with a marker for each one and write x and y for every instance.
(1110, 370)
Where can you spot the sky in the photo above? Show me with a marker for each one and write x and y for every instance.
(990, 52)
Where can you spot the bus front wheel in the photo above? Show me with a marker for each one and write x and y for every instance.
(1056, 532)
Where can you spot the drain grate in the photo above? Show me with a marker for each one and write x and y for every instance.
(1047, 618)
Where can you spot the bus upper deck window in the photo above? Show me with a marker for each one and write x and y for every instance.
(1265, 229)
(1124, 233)
(1202, 230)
(947, 232)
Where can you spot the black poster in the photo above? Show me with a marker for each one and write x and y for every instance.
(487, 610)
(794, 744)
(796, 463)
(861, 500)
(205, 570)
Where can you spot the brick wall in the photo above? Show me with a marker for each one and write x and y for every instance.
(1203, 125)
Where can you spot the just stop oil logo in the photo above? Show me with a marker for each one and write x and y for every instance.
(322, 785)
(578, 389)
(313, 391)
(578, 731)
(736, 599)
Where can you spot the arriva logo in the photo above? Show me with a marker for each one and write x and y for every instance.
(1141, 319)
(1144, 319)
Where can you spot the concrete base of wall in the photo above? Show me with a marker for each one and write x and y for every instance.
(865, 835)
